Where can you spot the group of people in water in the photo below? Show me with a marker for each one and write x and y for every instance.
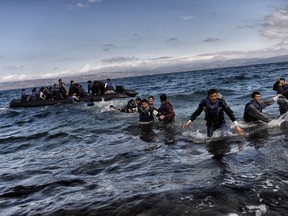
(214, 107)
(72, 94)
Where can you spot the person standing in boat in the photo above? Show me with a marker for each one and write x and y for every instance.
(62, 88)
(214, 108)
(23, 95)
(89, 87)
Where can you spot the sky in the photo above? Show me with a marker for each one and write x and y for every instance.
(56, 38)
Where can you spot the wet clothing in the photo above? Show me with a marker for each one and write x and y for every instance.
(214, 113)
(129, 108)
(283, 90)
(146, 115)
(283, 104)
(166, 109)
(253, 111)
(90, 103)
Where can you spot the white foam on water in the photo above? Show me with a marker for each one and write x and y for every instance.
(196, 136)
(259, 210)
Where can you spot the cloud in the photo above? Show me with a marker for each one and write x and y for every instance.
(172, 39)
(83, 4)
(94, 1)
(186, 18)
(161, 58)
(119, 59)
(14, 67)
(208, 40)
(86, 68)
(111, 45)
(251, 26)
(275, 25)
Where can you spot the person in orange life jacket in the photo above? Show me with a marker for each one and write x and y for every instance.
(253, 109)
(166, 113)
(145, 112)
(214, 108)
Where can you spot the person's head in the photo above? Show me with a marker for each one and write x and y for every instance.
(282, 81)
(131, 103)
(144, 103)
(256, 96)
(108, 80)
(72, 82)
(89, 82)
(60, 80)
(212, 95)
(151, 100)
(163, 97)
(111, 107)
(138, 100)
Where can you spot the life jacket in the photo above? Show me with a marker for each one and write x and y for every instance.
(285, 90)
(163, 109)
(23, 96)
(214, 114)
(145, 115)
(34, 95)
(249, 118)
(109, 86)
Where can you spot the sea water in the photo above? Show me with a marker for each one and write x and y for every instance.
(77, 160)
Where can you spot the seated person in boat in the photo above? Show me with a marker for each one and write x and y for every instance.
(109, 87)
(73, 98)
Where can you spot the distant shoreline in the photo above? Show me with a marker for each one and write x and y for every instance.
(115, 75)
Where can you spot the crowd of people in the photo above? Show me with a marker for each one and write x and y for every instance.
(214, 106)
(72, 94)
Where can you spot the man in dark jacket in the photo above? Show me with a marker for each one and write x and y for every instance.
(166, 112)
(253, 109)
(281, 86)
(214, 108)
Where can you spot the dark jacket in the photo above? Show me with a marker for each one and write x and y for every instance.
(166, 109)
(213, 115)
(146, 115)
(283, 90)
(253, 111)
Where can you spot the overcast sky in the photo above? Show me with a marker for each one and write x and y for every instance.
(54, 38)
